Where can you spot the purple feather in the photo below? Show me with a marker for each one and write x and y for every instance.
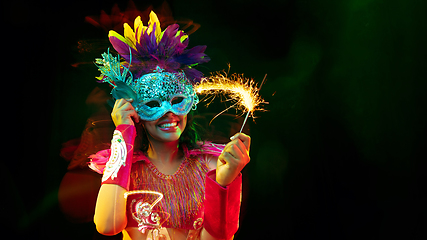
(168, 41)
(194, 55)
(123, 49)
(170, 53)
(193, 75)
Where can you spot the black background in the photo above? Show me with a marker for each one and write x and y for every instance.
(340, 153)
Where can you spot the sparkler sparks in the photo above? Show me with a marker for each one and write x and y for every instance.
(242, 91)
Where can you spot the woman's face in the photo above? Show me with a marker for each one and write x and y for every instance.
(167, 128)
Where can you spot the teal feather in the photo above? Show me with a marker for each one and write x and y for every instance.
(122, 90)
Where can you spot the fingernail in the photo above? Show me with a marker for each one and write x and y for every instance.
(233, 137)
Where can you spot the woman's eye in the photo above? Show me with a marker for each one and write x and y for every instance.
(153, 104)
(177, 100)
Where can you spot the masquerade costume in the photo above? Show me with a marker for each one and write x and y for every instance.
(158, 74)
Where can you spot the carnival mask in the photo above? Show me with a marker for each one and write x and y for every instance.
(160, 92)
(156, 70)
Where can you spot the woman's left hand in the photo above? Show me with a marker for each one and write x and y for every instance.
(233, 159)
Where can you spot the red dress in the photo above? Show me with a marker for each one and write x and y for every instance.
(183, 192)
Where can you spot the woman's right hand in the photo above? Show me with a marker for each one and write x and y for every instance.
(124, 113)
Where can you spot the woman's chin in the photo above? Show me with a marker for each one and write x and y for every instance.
(168, 136)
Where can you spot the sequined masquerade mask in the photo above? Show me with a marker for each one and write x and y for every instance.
(157, 72)
(161, 92)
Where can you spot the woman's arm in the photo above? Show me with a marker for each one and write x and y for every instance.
(110, 210)
(205, 235)
(223, 190)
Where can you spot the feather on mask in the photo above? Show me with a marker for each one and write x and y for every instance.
(149, 47)
(157, 68)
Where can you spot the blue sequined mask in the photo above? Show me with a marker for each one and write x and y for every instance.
(161, 92)
(154, 94)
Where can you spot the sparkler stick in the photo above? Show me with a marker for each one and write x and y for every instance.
(240, 90)
(244, 122)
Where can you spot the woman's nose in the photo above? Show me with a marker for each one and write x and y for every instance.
(169, 114)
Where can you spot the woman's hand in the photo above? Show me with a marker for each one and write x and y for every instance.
(233, 159)
(124, 113)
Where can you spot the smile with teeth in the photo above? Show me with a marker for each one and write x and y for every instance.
(168, 125)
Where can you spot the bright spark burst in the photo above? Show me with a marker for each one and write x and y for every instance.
(242, 91)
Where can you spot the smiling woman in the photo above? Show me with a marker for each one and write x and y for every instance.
(155, 150)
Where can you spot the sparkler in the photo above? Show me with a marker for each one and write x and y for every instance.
(242, 91)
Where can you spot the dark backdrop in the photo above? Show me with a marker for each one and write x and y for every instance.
(340, 153)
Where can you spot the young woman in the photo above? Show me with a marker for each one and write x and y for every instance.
(167, 185)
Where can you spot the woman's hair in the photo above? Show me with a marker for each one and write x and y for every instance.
(189, 137)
